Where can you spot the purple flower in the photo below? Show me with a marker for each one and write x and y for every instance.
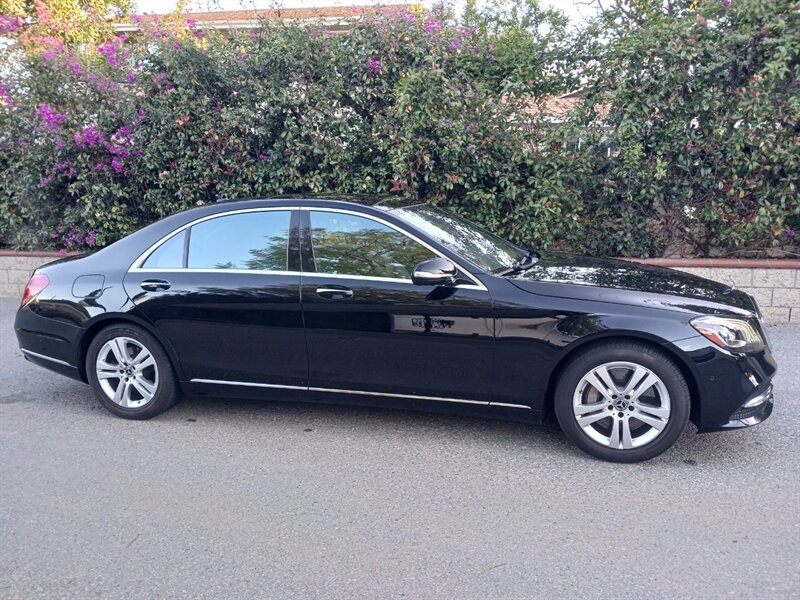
(52, 120)
(131, 78)
(49, 54)
(117, 164)
(104, 84)
(89, 137)
(5, 98)
(374, 66)
(433, 26)
(162, 78)
(45, 180)
(378, 158)
(726, 2)
(176, 46)
(109, 50)
(9, 24)
(789, 232)
(262, 157)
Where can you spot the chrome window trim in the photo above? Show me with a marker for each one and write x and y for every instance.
(241, 271)
(476, 282)
(45, 357)
(358, 392)
(137, 264)
(137, 267)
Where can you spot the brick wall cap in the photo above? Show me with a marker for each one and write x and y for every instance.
(37, 253)
(721, 263)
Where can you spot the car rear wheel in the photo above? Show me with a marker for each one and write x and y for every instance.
(622, 402)
(130, 373)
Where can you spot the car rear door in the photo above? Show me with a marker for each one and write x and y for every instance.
(224, 291)
(370, 330)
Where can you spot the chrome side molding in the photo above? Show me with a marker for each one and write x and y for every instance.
(45, 357)
(358, 392)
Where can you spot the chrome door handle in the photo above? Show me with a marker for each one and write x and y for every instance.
(155, 285)
(334, 293)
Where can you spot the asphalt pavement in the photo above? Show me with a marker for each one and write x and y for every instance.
(249, 499)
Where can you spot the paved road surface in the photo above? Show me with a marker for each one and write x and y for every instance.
(242, 499)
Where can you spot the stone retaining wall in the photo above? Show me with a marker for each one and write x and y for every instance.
(775, 284)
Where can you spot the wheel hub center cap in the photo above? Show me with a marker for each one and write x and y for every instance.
(620, 404)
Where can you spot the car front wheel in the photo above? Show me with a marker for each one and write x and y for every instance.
(130, 373)
(623, 402)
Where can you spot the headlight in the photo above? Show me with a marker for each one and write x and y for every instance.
(732, 334)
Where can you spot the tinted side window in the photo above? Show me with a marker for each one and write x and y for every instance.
(168, 255)
(253, 240)
(351, 245)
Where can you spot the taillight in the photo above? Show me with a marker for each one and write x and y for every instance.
(36, 284)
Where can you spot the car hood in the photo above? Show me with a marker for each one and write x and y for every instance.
(612, 280)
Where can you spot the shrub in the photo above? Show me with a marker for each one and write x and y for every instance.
(415, 104)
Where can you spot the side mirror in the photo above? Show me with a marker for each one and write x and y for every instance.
(435, 271)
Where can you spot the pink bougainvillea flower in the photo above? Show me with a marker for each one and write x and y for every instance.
(374, 66)
(433, 26)
(89, 137)
(51, 119)
(10, 24)
(5, 97)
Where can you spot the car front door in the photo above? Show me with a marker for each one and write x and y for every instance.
(225, 293)
(370, 330)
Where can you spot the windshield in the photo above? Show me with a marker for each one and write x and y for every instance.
(484, 249)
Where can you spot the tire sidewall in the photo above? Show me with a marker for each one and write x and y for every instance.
(166, 392)
(660, 364)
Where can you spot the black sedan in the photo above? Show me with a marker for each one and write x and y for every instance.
(387, 303)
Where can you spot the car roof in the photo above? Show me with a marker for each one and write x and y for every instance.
(376, 200)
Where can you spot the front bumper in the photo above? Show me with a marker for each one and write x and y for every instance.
(732, 390)
(752, 412)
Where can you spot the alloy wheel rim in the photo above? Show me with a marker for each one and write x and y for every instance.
(127, 372)
(621, 405)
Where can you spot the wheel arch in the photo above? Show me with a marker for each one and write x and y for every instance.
(105, 320)
(586, 344)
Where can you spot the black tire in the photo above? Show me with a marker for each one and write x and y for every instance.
(160, 377)
(628, 352)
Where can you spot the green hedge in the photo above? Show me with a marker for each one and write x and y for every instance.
(688, 141)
